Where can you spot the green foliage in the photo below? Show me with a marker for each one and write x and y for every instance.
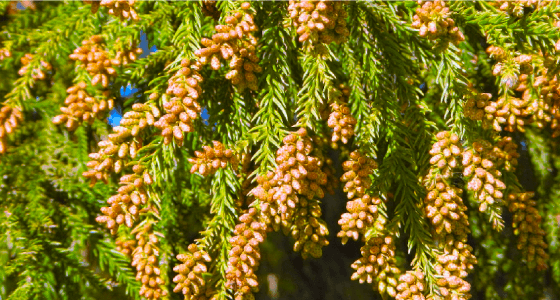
(404, 88)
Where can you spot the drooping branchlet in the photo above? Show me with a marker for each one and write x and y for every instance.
(362, 211)
(340, 119)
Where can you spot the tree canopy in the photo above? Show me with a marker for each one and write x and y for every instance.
(280, 150)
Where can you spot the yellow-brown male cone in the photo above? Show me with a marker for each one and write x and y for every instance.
(123, 144)
(411, 286)
(125, 207)
(482, 175)
(124, 9)
(10, 117)
(526, 224)
(319, 21)
(475, 104)
(244, 255)
(342, 122)
(235, 43)
(445, 208)
(298, 174)
(433, 21)
(445, 152)
(356, 174)
(146, 260)
(362, 212)
(309, 230)
(508, 113)
(180, 102)
(96, 60)
(361, 215)
(212, 159)
(189, 280)
(378, 265)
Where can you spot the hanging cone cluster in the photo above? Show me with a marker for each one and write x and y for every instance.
(236, 44)
(433, 21)
(356, 174)
(452, 286)
(123, 144)
(309, 230)
(96, 60)
(511, 113)
(123, 9)
(126, 246)
(10, 117)
(446, 211)
(126, 56)
(245, 255)
(289, 194)
(527, 225)
(319, 21)
(180, 102)
(213, 158)
(146, 260)
(5, 53)
(341, 120)
(411, 285)
(209, 9)
(189, 280)
(82, 107)
(505, 151)
(37, 73)
(126, 206)
(475, 104)
(445, 153)
(298, 174)
(508, 113)
(268, 192)
(516, 7)
(320, 144)
(362, 212)
(544, 109)
(481, 173)
(361, 215)
(456, 258)
(378, 265)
